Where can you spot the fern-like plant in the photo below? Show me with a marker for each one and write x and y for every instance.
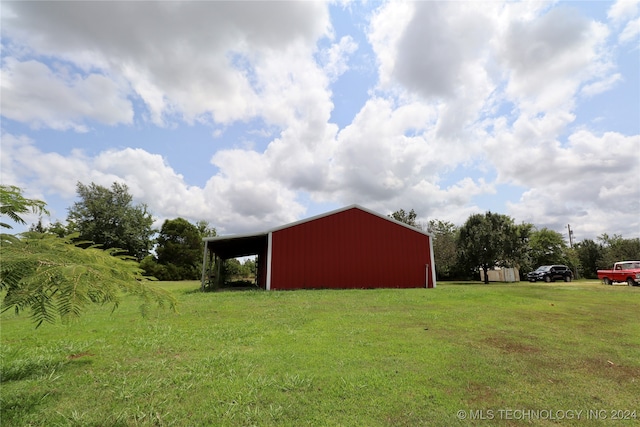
(13, 203)
(56, 279)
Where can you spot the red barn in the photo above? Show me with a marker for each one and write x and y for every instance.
(352, 247)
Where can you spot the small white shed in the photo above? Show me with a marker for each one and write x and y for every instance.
(502, 275)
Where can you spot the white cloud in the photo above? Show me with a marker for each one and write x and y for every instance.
(242, 197)
(387, 26)
(437, 46)
(601, 86)
(576, 181)
(190, 59)
(247, 194)
(32, 93)
(390, 154)
(335, 58)
(630, 32)
(292, 88)
(25, 165)
(623, 10)
(439, 53)
(548, 57)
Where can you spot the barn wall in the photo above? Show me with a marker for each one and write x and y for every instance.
(349, 249)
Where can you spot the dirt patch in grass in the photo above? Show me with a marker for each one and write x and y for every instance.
(479, 393)
(610, 369)
(79, 355)
(508, 345)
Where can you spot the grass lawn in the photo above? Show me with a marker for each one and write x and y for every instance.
(460, 354)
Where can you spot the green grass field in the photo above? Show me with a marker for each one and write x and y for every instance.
(460, 354)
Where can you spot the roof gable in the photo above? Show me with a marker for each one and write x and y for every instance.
(344, 209)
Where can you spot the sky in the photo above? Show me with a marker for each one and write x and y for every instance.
(250, 115)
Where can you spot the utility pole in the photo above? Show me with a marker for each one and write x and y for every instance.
(570, 236)
(575, 270)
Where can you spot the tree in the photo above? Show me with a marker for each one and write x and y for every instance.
(54, 278)
(520, 246)
(232, 268)
(180, 244)
(236, 273)
(407, 218)
(248, 268)
(179, 250)
(205, 229)
(589, 255)
(57, 228)
(444, 247)
(615, 249)
(108, 218)
(150, 266)
(13, 204)
(548, 247)
(491, 240)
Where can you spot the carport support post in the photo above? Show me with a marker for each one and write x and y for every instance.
(218, 273)
(204, 265)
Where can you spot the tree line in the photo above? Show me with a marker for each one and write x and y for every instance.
(491, 240)
(107, 218)
(107, 246)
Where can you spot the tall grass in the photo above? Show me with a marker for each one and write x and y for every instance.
(351, 357)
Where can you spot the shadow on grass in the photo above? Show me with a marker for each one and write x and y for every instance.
(223, 289)
(15, 407)
(17, 365)
(21, 369)
(234, 285)
(474, 282)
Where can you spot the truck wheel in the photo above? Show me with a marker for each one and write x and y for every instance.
(606, 281)
(547, 279)
(567, 278)
(631, 282)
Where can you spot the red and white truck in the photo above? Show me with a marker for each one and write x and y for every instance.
(623, 271)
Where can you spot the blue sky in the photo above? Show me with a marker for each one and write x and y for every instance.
(254, 114)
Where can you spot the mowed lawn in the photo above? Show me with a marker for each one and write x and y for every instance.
(460, 354)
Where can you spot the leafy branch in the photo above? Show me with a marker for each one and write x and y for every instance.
(54, 278)
(13, 203)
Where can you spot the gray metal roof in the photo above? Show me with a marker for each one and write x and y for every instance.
(313, 218)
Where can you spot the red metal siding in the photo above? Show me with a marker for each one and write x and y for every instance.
(349, 249)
